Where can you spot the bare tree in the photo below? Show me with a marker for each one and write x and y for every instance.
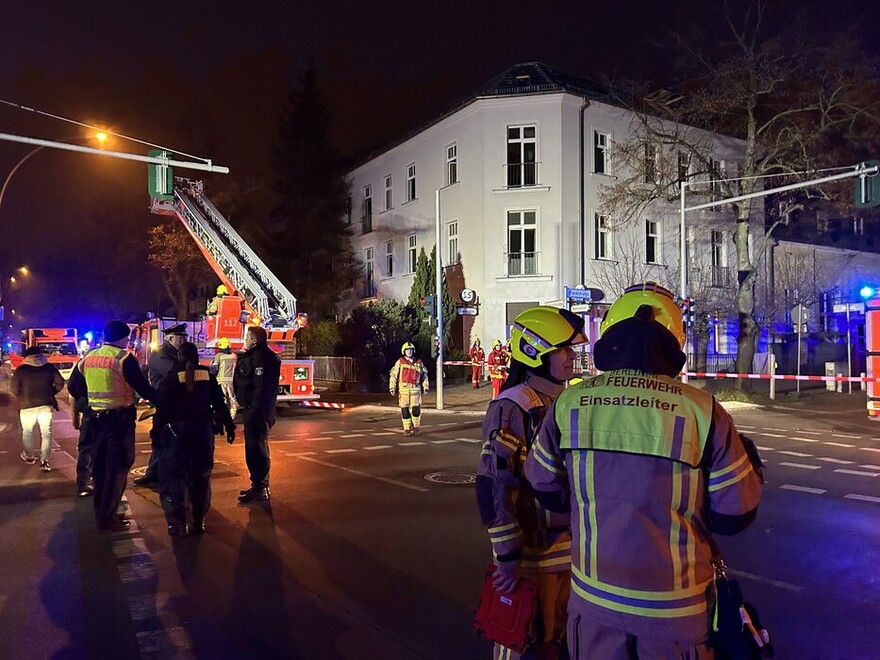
(174, 253)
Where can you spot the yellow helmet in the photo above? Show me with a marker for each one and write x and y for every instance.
(406, 346)
(222, 290)
(476, 340)
(496, 342)
(541, 330)
(666, 312)
(223, 342)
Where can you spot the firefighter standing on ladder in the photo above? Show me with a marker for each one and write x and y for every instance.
(408, 380)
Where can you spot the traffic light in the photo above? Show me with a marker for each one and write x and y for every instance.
(867, 189)
(435, 347)
(688, 310)
(427, 303)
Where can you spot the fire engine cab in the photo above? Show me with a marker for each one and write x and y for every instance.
(59, 345)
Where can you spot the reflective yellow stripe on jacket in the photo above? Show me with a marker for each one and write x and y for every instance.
(102, 370)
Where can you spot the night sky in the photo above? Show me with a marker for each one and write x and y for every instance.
(209, 77)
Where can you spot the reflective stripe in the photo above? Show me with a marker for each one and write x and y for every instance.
(654, 605)
(199, 375)
(734, 479)
(102, 370)
(675, 525)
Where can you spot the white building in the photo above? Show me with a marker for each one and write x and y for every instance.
(520, 166)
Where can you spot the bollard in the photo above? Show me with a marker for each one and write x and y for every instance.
(840, 384)
(862, 384)
(771, 365)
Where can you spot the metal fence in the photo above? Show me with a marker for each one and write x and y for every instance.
(335, 369)
(715, 362)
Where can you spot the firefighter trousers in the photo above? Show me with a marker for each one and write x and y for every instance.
(410, 408)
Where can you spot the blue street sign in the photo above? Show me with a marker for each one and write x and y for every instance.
(583, 294)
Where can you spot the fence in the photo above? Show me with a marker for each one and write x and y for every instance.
(335, 369)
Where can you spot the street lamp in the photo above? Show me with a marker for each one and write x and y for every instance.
(438, 300)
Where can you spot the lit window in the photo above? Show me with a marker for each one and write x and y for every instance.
(603, 242)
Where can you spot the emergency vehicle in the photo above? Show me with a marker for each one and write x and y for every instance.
(256, 295)
(59, 346)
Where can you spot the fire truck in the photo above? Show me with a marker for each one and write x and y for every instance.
(256, 295)
(59, 345)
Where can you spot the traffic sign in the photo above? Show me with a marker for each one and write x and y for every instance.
(851, 307)
(583, 294)
(466, 311)
(580, 308)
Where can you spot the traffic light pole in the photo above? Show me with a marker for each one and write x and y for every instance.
(438, 301)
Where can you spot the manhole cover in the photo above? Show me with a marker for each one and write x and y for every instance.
(451, 477)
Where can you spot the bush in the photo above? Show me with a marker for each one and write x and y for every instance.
(731, 394)
(322, 338)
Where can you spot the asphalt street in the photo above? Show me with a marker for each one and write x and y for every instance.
(371, 546)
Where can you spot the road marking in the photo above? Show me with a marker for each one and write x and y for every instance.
(447, 423)
(771, 435)
(470, 440)
(794, 453)
(372, 447)
(858, 473)
(760, 448)
(442, 442)
(811, 432)
(393, 482)
(362, 431)
(839, 444)
(275, 441)
(410, 444)
(870, 449)
(828, 459)
(318, 439)
(302, 453)
(802, 489)
(775, 583)
(844, 435)
(352, 435)
(803, 439)
(339, 451)
(767, 428)
(863, 498)
(743, 426)
(384, 433)
(870, 467)
(801, 466)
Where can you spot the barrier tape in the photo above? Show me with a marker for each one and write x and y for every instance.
(837, 379)
(321, 404)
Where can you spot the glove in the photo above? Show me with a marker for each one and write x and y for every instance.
(230, 435)
(506, 576)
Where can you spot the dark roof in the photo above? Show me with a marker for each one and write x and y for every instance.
(526, 79)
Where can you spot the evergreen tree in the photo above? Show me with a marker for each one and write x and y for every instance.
(307, 235)
(425, 284)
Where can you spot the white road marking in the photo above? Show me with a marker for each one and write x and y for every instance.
(275, 441)
(384, 433)
(318, 439)
(794, 453)
(303, 453)
(441, 442)
(332, 432)
(470, 440)
(760, 448)
(372, 447)
(870, 449)
(352, 435)
(844, 435)
(803, 439)
(767, 428)
(838, 461)
(870, 467)
(410, 444)
(863, 498)
(447, 423)
(771, 435)
(362, 430)
(839, 444)
(393, 482)
(743, 426)
(858, 473)
(811, 432)
(802, 489)
(775, 583)
(339, 451)
(801, 466)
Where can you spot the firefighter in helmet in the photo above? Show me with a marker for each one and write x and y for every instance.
(214, 303)
(477, 356)
(527, 540)
(223, 366)
(634, 444)
(408, 380)
(497, 362)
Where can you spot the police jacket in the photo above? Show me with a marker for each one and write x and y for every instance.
(162, 362)
(131, 374)
(519, 527)
(176, 404)
(257, 374)
(649, 467)
(36, 382)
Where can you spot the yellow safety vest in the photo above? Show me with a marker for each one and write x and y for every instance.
(102, 369)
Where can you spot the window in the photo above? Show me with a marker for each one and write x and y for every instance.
(367, 214)
(684, 165)
(602, 248)
(650, 163)
(601, 162)
(652, 242)
(388, 197)
(522, 150)
(452, 242)
(369, 285)
(389, 258)
(720, 274)
(451, 164)
(522, 240)
(716, 241)
(716, 171)
(410, 182)
(411, 255)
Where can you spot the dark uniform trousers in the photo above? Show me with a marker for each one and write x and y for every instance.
(112, 434)
(256, 449)
(84, 450)
(188, 460)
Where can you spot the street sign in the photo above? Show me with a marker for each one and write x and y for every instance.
(468, 295)
(580, 308)
(466, 311)
(583, 294)
(852, 307)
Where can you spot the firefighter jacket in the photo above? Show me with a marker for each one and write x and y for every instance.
(519, 526)
(224, 363)
(477, 355)
(408, 376)
(497, 363)
(111, 376)
(649, 467)
(257, 374)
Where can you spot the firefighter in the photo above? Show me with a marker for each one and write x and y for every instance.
(656, 467)
(527, 540)
(214, 304)
(477, 356)
(223, 366)
(109, 376)
(497, 362)
(408, 380)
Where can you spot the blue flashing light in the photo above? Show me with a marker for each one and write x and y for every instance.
(867, 292)
(88, 336)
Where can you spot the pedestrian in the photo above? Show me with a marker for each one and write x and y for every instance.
(162, 362)
(649, 468)
(497, 362)
(477, 356)
(257, 374)
(408, 380)
(111, 376)
(189, 401)
(528, 540)
(35, 383)
(224, 368)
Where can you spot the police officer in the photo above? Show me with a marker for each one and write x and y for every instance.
(649, 467)
(162, 362)
(527, 540)
(111, 376)
(257, 374)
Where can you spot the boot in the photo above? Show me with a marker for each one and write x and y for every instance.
(177, 528)
(254, 495)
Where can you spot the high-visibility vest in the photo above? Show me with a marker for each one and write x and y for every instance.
(408, 375)
(102, 369)
(650, 565)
